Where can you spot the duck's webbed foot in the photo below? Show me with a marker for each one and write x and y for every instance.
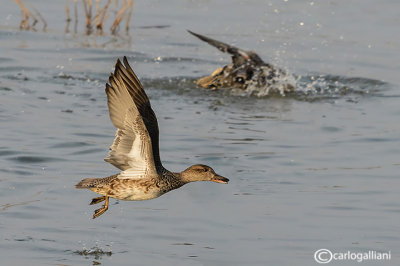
(103, 209)
(97, 200)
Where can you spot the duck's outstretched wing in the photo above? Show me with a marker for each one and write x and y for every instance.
(239, 56)
(135, 147)
(223, 47)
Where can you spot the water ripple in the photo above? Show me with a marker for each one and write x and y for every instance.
(70, 145)
(34, 159)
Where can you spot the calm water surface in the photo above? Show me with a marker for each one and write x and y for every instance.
(315, 169)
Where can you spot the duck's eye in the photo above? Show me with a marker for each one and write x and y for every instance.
(240, 80)
(205, 169)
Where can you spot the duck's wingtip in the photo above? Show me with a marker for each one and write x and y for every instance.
(126, 64)
(118, 62)
(118, 65)
(195, 34)
(125, 60)
(108, 87)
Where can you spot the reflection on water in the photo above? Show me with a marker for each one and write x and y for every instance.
(94, 13)
(32, 14)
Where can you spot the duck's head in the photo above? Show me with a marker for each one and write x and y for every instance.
(235, 75)
(224, 77)
(200, 172)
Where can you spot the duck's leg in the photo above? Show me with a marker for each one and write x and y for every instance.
(102, 210)
(97, 200)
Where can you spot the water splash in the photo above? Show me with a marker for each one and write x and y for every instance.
(311, 87)
(95, 252)
(282, 83)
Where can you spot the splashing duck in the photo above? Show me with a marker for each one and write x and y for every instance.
(246, 72)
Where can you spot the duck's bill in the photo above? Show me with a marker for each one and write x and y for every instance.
(220, 179)
(211, 82)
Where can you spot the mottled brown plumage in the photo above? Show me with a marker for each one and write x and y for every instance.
(135, 149)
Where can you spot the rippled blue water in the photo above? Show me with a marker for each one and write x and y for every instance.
(315, 169)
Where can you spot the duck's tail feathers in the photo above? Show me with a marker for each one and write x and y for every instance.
(86, 183)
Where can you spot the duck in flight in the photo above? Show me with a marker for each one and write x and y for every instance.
(247, 70)
(135, 149)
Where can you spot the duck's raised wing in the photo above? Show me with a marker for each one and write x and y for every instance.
(135, 147)
(239, 56)
(223, 47)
